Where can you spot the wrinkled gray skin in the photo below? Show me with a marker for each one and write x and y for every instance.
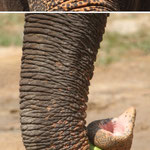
(29, 5)
(59, 51)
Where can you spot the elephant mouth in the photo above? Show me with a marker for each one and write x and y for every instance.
(113, 133)
(122, 125)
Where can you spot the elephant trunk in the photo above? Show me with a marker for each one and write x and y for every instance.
(83, 5)
(57, 63)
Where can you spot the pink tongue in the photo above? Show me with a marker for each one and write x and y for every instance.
(124, 123)
(115, 127)
(108, 127)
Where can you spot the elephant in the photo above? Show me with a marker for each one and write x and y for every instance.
(73, 5)
(59, 51)
(14, 5)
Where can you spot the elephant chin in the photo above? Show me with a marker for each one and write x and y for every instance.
(114, 133)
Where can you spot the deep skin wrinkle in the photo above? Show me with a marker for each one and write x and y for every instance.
(59, 51)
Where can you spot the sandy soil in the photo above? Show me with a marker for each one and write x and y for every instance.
(10, 136)
(113, 89)
(120, 86)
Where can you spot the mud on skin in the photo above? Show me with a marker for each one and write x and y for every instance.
(74, 5)
(84, 5)
(88, 5)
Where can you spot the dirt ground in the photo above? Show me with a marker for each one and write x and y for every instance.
(113, 89)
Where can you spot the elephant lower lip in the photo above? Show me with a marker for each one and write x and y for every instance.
(122, 125)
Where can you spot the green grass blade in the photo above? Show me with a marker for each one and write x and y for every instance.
(92, 147)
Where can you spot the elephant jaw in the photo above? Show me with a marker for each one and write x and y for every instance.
(115, 133)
